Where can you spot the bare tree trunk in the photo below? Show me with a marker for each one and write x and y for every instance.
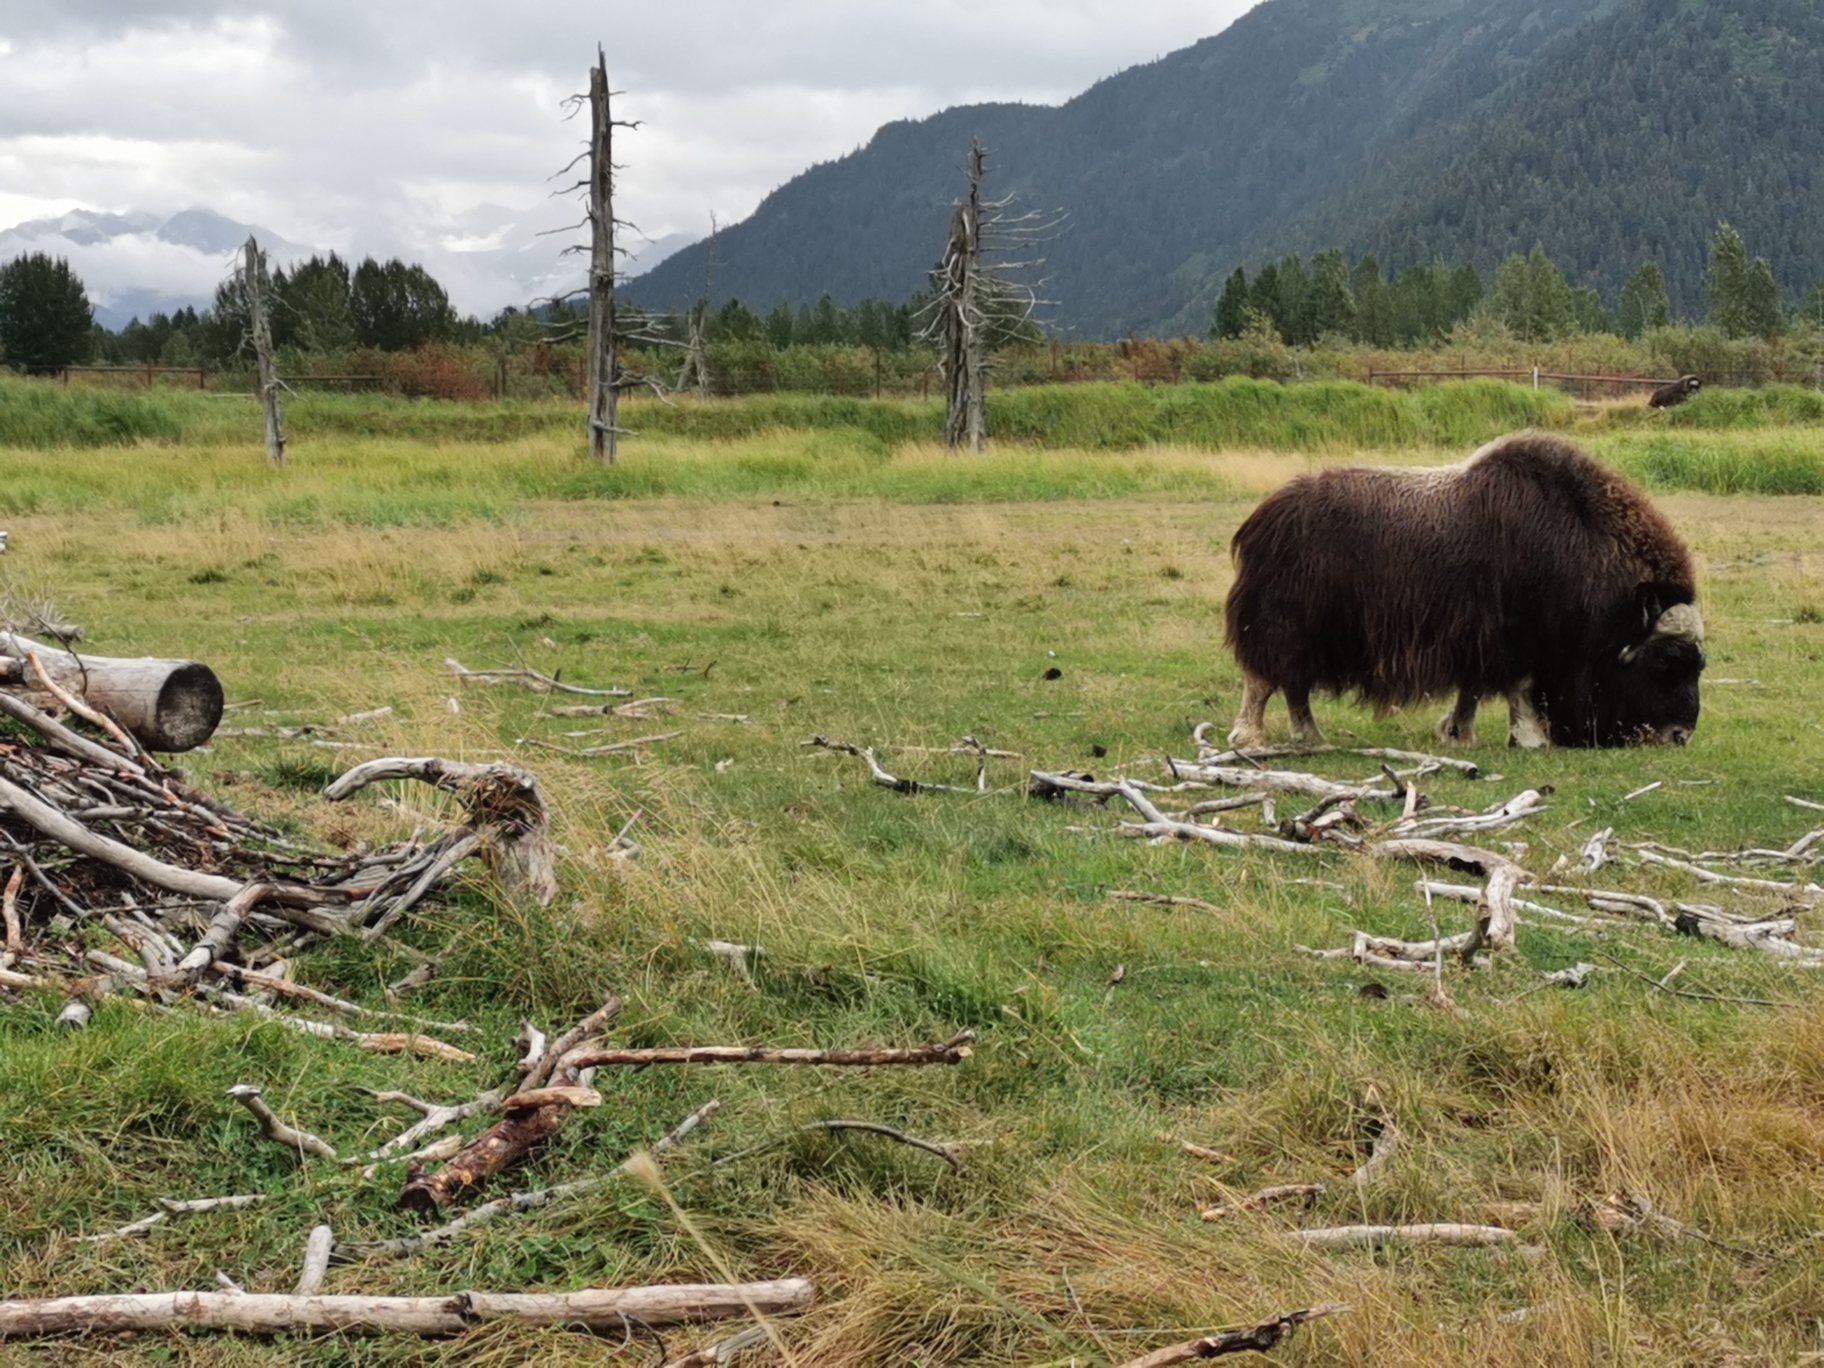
(961, 342)
(254, 285)
(603, 393)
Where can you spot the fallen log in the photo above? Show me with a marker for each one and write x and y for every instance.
(168, 705)
(603, 1308)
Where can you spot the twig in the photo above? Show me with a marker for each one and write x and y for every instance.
(1265, 1197)
(1257, 1339)
(1203, 1152)
(532, 679)
(1165, 899)
(1685, 993)
(945, 1150)
(169, 1207)
(1368, 1236)
(248, 1095)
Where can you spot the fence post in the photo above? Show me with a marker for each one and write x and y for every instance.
(1535, 377)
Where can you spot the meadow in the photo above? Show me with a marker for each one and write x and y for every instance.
(783, 568)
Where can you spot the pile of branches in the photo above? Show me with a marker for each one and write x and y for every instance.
(124, 878)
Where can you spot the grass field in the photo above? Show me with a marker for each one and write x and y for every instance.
(891, 595)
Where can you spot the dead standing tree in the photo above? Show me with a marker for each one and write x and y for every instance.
(256, 287)
(975, 299)
(604, 394)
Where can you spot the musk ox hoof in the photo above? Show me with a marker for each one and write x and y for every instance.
(1244, 737)
(1455, 733)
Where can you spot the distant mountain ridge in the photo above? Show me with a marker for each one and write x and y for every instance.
(1611, 130)
(186, 252)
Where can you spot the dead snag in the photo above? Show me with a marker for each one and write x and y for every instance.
(1255, 1339)
(507, 820)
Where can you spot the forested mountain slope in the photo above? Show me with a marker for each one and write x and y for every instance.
(1627, 144)
(1610, 129)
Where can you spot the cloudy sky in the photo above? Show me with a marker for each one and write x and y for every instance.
(429, 130)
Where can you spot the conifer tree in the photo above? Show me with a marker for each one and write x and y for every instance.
(1727, 282)
(1643, 304)
(1232, 307)
(45, 317)
(1331, 306)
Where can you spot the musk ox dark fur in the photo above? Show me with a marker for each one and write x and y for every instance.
(1527, 571)
(1675, 392)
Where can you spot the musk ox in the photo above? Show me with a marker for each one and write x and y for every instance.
(1675, 392)
(1528, 571)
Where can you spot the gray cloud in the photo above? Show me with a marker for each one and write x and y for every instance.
(430, 130)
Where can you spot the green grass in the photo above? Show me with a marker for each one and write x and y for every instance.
(903, 598)
(1320, 416)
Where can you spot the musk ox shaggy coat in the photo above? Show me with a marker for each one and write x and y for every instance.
(1527, 570)
(1674, 392)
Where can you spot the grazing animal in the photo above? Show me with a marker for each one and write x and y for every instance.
(1673, 394)
(1527, 570)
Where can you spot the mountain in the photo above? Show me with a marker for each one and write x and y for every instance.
(188, 253)
(1611, 130)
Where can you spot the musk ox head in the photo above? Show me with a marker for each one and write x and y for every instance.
(1647, 693)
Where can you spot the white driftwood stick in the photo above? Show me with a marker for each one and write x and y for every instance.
(532, 679)
(1284, 781)
(316, 1261)
(1495, 922)
(223, 927)
(1804, 891)
(276, 1130)
(604, 1309)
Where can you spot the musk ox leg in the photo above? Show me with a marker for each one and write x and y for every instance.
(1250, 727)
(1458, 726)
(1525, 727)
(1304, 725)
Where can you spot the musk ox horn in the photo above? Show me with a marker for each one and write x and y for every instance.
(1680, 622)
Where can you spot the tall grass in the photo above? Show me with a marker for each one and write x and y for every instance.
(1751, 462)
(1323, 416)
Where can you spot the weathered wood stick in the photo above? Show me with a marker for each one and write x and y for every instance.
(248, 1095)
(1265, 1197)
(285, 987)
(951, 1051)
(170, 1207)
(1255, 1339)
(223, 927)
(168, 705)
(436, 1118)
(532, 679)
(1164, 899)
(1495, 919)
(605, 1309)
(541, 1070)
(1368, 1236)
(527, 1201)
(316, 1261)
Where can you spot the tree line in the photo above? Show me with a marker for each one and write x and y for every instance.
(1529, 296)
